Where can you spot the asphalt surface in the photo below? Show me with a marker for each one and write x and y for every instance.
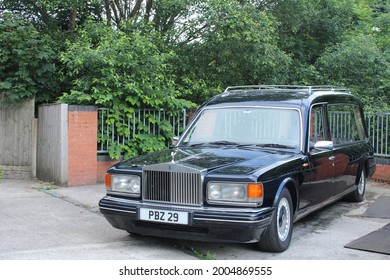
(40, 221)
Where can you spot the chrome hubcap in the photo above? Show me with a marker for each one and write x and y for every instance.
(283, 219)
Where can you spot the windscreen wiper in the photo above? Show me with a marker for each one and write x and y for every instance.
(268, 145)
(221, 142)
(278, 146)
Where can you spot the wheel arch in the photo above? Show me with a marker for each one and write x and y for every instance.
(291, 185)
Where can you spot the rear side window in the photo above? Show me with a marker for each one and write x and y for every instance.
(345, 123)
(317, 129)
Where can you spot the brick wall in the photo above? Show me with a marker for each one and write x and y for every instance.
(382, 173)
(84, 166)
(103, 163)
(82, 147)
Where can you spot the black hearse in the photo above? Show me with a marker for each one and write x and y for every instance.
(253, 160)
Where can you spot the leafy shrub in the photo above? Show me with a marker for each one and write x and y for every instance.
(26, 62)
(122, 72)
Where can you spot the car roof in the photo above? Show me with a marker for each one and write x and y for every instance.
(281, 95)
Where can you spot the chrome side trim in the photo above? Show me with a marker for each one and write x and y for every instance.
(118, 210)
(321, 205)
(265, 220)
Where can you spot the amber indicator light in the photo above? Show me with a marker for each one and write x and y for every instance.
(108, 180)
(255, 190)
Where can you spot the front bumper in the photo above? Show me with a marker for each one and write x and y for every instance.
(227, 224)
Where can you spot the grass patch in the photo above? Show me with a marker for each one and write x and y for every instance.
(45, 186)
(83, 205)
(203, 256)
(189, 249)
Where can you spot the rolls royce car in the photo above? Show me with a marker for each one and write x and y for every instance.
(252, 161)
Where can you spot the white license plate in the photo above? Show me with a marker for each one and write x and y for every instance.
(163, 216)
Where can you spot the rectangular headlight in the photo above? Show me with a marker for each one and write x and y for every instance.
(130, 184)
(235, 193)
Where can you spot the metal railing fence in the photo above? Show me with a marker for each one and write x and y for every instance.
(149, 121)
(378, 125)
(142, 121)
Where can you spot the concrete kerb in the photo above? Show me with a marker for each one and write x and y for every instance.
(83, 196)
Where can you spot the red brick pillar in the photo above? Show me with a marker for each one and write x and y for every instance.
(82, 145)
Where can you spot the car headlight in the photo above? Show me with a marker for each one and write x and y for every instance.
(240, 193)
(130, 184)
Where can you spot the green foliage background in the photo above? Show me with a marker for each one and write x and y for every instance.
(27, 67)
(175, 54)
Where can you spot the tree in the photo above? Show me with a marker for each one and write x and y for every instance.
(122, 11)
(235, 45)
(307, 27)
(166, 16)
(27, 66)
(373, 18)
(210, 44)
(358, 63)
(122, 72)
(54, 16)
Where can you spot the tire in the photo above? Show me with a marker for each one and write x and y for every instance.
(277, 237)
(133, 234)
(358, 194)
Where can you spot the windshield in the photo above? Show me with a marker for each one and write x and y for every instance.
(264, 127)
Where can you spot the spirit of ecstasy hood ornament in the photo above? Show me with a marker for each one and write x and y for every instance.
(173, 153)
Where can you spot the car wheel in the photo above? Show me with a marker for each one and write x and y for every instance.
(358, 194)
(277, 236)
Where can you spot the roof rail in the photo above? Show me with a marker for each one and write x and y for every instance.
(292, 87)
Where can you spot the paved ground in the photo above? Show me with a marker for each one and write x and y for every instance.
(64, 224)
(42, 222)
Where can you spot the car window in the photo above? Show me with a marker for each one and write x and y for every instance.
(317, 130)
(345, 123)
(246, 125)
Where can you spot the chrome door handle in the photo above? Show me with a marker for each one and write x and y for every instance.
(332, 158)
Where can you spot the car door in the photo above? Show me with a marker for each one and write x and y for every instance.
(321, 171)
(347, 133)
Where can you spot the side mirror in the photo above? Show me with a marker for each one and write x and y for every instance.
(175, 140)
(324, 145)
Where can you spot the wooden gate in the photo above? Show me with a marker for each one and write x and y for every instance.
(18, 141)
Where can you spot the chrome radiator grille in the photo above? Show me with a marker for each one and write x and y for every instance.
(172, 187)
